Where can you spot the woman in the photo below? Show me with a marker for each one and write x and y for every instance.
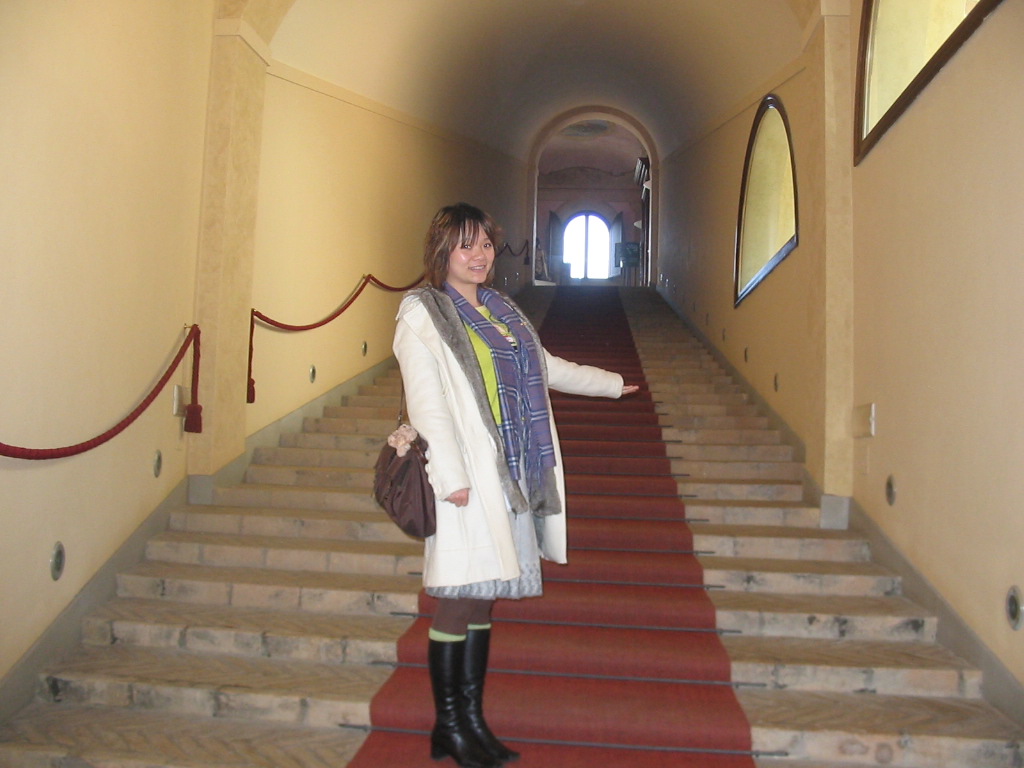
(476, 381)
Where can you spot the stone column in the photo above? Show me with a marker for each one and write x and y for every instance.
(838, 102)
(224, 262)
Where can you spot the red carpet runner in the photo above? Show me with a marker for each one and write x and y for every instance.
(618, 664)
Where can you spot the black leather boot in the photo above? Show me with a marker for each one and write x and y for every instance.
(452, 735)
(478, 645)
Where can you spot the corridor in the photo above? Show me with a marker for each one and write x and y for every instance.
(820, 274)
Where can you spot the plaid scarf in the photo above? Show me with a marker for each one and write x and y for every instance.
(525, 426)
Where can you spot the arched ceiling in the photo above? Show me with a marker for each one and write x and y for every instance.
(499, 70)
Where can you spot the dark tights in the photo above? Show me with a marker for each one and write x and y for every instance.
(454, 615)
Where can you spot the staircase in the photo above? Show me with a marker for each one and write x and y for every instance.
(256, 626)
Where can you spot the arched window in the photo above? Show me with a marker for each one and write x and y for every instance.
(903, 45)
(767, 229)
(587, 247)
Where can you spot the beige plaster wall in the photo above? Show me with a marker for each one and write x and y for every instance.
(348, 188)
(939, 223)
(102, 132)
(780, 329)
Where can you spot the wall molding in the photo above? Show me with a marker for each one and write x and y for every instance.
(241, 29)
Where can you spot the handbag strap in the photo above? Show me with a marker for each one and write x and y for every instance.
(401, 403)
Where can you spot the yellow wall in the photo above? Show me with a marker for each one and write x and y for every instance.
(102, 133)
(939, 221)
(347, 188)
(781, 324)
(922, 321)
(104, 128)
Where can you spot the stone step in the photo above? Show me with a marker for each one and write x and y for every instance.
(373, 525)
(669, 361)
(331, 442)
(671, 353)
(316, 457)
(801, 574)
(739, 470)
(47, 736)
(382, 558)
(301, 497)
(775, 575)
(361, 412)
(679, 388)
(276, 634)
(318, 592)
(832, 617)
(584, 447)
(900, 731)
(348, 425)
(324, 695)
(312, 694)
(349, 478)
(722, 436)
(851, 666)
(713, 422)
(791, 663)
(391, 387)
(575, 461)
(667, 397)
(780, 542)
(749, 490)
(731, 512)
(708, 409)
(725, 541)
(735, 452)
(672, 376)
(688, 488)
(373, 401)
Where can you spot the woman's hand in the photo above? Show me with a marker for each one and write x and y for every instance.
(629, 389)
(460, 498)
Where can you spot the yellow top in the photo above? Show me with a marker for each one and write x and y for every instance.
(483, 356)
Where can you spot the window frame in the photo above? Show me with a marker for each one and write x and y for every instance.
(769, 102)
(863, 140)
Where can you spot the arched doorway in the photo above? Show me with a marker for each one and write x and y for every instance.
(595, 162)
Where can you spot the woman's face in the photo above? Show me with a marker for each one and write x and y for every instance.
(469, 264)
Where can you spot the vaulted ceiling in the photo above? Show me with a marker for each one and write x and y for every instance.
(499, 71)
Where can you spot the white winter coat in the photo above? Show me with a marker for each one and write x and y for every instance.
(472, 543)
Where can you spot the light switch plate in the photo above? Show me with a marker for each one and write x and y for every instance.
(864, 420)
(178, 400)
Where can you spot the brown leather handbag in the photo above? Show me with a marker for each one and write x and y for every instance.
(400, 483)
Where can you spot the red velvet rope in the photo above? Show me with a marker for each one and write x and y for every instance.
(257, 315)
(507, 247)
(193, 412)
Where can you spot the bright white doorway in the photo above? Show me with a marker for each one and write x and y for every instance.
(587, 243)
